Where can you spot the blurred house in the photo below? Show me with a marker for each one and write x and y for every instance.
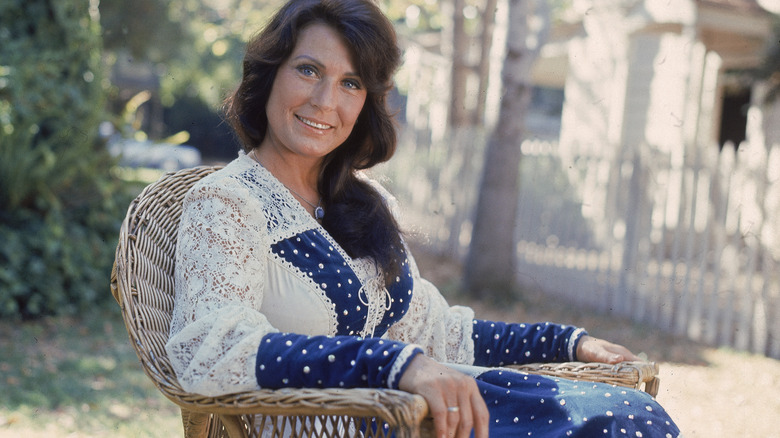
(650, 182)
(661, 82)
(661, 73)
(668, 74)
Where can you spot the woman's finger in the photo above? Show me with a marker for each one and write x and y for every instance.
(441, 418)
(453, 398)
(598, 350)
(453, 414)
(466, 413)
(481, 415)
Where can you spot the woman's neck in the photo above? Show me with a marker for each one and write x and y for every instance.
(298, 175)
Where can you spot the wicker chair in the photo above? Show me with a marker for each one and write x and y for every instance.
(142, 284)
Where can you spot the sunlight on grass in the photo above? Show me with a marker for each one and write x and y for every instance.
(77, 378)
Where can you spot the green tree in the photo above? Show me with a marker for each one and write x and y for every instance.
(56, 196)
(143, 28)
(50, 100)
(191, 51)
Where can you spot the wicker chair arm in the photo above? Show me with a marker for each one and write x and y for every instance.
(359, 402)
(627, 374)
(402, 412)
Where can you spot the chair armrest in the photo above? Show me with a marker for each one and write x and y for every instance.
(629, 374)
(399, 409)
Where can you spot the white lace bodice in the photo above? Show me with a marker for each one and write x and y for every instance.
(251, 261)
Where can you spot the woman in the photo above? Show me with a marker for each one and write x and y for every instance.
(291, 269)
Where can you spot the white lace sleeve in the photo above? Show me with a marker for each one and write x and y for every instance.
(219, 280)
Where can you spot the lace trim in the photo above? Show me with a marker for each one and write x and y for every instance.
(400, 363)
(286, 218)
(377, 300)
(573, 342)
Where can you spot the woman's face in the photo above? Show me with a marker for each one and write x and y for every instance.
(316, 97)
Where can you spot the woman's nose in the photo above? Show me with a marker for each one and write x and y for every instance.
(324, 96)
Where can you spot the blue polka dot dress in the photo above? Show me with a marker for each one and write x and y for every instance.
(265, 298)
(527, 405)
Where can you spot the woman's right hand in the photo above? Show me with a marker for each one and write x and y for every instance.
(453, 398)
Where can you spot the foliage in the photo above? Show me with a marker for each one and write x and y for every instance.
(140, 27)
(206, 128)
(57, 264)
(190, 50)
(195, 47)
(50, 101)
(57, 200)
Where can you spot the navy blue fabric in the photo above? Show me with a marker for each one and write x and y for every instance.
(499, 343)
(292, 360)
(311, 252)
(528, 405)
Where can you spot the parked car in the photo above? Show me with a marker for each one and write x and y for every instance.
(163, 156)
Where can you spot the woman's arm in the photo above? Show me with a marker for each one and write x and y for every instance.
(293, 360)
(499, 343)
(219, 281)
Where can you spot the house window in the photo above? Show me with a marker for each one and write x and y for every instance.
(733, 122)
(544, 116)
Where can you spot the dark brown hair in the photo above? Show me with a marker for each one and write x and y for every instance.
(356, 215)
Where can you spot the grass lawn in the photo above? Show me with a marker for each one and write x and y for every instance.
(78, 378)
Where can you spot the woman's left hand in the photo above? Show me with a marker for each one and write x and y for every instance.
(592, 349)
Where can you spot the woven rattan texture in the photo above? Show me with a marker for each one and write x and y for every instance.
(142, 284)
(637, 375)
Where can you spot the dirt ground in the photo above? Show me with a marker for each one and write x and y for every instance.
(710, 392)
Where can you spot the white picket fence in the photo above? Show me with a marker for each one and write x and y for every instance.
(690, 246)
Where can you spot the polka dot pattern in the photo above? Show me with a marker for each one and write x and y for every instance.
(499, 344)
(538, 406)
(330, 362)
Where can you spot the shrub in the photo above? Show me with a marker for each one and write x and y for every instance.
(58, 212)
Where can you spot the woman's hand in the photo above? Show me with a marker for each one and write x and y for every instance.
(592, 349)
(453, 398)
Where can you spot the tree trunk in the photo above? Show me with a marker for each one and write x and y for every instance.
(490, 269)
(459, 113)
(486, 42)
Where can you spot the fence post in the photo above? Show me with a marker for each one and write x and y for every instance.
(627, 284)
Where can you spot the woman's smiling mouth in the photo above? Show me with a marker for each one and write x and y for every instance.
(313, 124)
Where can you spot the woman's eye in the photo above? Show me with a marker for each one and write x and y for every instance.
(352, 84)
(307, 70)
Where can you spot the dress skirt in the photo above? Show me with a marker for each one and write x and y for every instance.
(527, 405)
